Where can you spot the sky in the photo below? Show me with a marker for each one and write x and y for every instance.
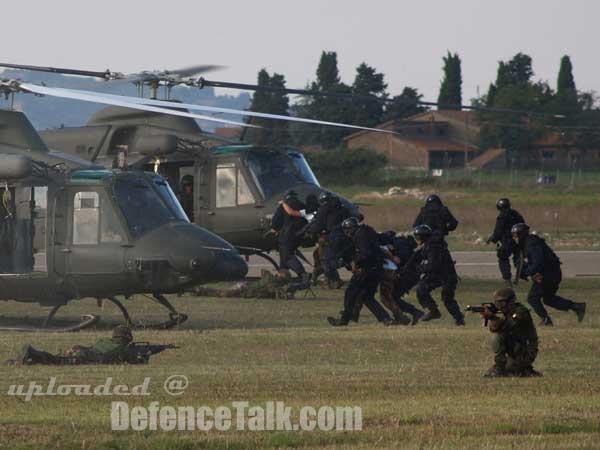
(405, 40)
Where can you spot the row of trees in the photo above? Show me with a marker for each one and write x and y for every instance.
(568, 110)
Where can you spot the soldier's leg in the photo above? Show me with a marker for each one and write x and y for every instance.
(386, 294)
(401, 287)
(352, 304)
(30, 355)
(549, 290)
(369, 284)
(424, 289)
(448, 297)
(289, 259)
(534, 298)
(500, 355)
(504, 263)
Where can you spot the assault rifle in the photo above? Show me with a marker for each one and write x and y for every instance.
(142, 351)
(482, 309)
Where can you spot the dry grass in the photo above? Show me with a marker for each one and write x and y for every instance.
(419, 387)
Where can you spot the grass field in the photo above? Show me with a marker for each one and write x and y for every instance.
(418, 387)
(567, 218)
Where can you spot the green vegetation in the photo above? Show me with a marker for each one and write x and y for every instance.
(345, 166)
(419, 387)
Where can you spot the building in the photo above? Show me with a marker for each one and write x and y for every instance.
(429, 140)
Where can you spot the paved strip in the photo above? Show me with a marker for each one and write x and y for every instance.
(485, 264)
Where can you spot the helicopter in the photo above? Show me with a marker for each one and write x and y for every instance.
(236, 187)
(70, 229)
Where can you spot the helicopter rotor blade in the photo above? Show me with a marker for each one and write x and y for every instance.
(192, 106)
(195, 70)
(124, 102)
(201, 82)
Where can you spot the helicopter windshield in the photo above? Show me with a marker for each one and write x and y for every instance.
(273, 172)
(143, 207)
(170, 198)
(301, 165)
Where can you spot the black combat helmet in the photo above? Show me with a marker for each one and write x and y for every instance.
(422, 232)
(324, 197)
(122, 332)
(350, 225)
(433, 198)
(503, 203)
(290, 195)
(187, 180)
(519, 230)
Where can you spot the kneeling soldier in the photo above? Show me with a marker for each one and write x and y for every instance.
(515, 342)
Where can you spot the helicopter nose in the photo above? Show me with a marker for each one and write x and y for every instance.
(229, 266)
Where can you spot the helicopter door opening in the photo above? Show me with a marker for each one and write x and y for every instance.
(23, 230)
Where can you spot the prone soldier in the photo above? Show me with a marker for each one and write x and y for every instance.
(515, 339)
(542, 265)
(501, 236)
(118, 349)
(436, 266)
(279, 286)
(436, 216)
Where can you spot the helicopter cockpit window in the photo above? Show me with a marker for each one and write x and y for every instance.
(303, 168)
(86, 218)
(142, 206)
(272, 172)
(232, 187)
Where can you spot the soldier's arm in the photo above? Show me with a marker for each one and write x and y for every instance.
(535, 261)
(419, 219)
(498, 230)
(451, 222)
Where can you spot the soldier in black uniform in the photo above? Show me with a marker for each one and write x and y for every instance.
(501, 236)
(436, 216)
(436, 266)
(515, 343)
(287, 225)
(186, 196)
(329, 218)
(366, 274)
(543, 267)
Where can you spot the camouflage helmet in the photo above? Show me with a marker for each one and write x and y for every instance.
(504, 296)
(122, 332)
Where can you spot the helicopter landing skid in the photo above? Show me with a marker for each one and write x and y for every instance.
(175, 318)
(87, 320)
(249, 251)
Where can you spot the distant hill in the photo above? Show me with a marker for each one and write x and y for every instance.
(53, 112)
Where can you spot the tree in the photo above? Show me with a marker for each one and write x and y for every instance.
(514, 90)
(273, 132)
(368, 81)
(567, 101)
(450, 96)
(404, 105)
(322, 107)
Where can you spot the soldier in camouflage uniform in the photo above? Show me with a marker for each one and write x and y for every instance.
(278, 285)
(113, 350)
(515, 342)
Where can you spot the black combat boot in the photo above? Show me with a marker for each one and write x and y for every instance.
(399, 319)
(338, 322)
(417, 315)
(579, 309)
(546, 322)
(431, 314)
